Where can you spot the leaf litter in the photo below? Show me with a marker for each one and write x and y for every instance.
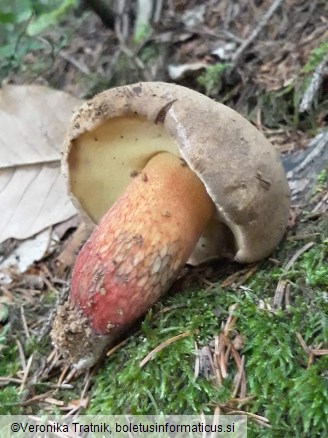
(281, 56)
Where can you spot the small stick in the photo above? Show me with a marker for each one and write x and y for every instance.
(35, 398)
(197, 362)
(26, 372)
(303, 344)
(239, 377)
(314, 86)
(62, 375)
(317, 352)
(279, 293)
(161, 347)
(262, 22)
(25, 327)
(216, 420)
(282, 284)
(6, 380)
(21, 354)
(297, 255)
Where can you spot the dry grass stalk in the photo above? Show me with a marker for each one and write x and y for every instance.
(26, 373)
(262, 421)
(311, 352)
(297, 255)
(238, 278)
(282, 283)
(161, 347)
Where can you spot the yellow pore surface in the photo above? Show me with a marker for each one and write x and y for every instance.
(103, 162)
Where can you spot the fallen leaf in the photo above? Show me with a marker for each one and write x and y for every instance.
(61, 229)
(29, 251)
(33, 122)
(177, 72)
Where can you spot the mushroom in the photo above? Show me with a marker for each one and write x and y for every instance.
(170, 176)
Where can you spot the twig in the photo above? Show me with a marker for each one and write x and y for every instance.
(314, 86)
(21, 354)
(120, 344)
(197, 361)
(216, 420)
(309, 350)
(282, 283)
(302, 236)
(219, 34)
(214, 366)
(239, 377)
(87, 384)
(161, 347)
(26, 372)
(297, 255)
(77, 64)
(217, 354)
(25, 327)
(53, 362)
(121, 30)
(6, 380)
(257, 418)
(255, 32)
(279, 293)
(242, 276)
(144, 14)
(222, 358)
(70, 375)
(54, 401)
(158, 10)
(121, 22)
(303, 344)
(317, 352)
(36, 398)
(321, 207)
(62, 375)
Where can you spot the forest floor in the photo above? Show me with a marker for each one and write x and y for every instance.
(271, 316)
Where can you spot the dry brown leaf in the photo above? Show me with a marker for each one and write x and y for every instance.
(71, 248)
(33, 121)
(29, 251)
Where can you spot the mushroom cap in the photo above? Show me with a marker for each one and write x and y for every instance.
(113, 136)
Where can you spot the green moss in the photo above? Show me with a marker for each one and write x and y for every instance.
(280, 108)
(9, 365)
(211, 79)
(288, 390)
(166, 384)
(322, 177)
(276, 364)
(291, 394)
(317, 55)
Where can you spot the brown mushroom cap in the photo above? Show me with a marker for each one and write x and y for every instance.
(114, 135)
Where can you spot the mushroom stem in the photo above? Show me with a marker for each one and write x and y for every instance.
(135, 253)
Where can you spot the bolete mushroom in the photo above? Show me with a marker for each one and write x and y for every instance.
(170, 176)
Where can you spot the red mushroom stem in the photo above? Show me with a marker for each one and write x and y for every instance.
(140, 246)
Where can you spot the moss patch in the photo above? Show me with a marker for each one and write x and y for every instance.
(291, 392)
(9, 365)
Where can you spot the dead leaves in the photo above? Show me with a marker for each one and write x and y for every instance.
(223, 358)
(224, 347)
(33, 123)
